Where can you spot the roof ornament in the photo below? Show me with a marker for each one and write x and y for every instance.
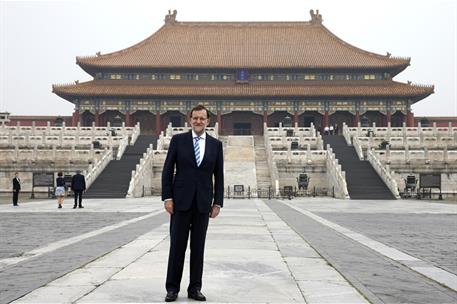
(316, 18)
(171, 17)
(76, 81)
(388, 54)
(409, 82)
(98, 54)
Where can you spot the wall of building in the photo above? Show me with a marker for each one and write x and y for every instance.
(440, 121)
(40, 121)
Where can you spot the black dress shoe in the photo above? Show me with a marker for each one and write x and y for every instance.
(171, 296)
(196, 295)
(81, 206)
(74, 207)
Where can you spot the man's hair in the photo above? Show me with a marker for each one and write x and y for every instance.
(199, 108)
(59, 174)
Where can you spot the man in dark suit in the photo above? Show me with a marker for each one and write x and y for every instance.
(191, 198)
(78, 186)
(16, 188)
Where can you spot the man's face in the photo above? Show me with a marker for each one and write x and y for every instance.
(199, 121)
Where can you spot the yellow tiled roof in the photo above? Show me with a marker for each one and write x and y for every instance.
(243, 45)
(369, 88)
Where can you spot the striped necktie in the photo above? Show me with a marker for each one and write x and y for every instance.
(197, 150)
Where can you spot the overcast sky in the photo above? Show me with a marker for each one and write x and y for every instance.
(40, 39)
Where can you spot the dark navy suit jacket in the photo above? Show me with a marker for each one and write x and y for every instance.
(78, 182)
(191, 181)
(16, 184)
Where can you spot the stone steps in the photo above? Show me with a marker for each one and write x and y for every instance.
(362, 180)
(114, 181)
(239, 162)
(262, 170)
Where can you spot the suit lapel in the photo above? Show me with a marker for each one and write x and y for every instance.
(207, 139)
(190, 142)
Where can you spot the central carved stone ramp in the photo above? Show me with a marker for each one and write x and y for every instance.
(239, 162)
(261, 166)
(114, 181)
(362, 180)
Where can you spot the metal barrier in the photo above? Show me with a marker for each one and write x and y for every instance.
(263, 193)
(270, 193)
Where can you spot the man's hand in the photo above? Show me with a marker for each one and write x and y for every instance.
(214, 211)
(169, 206)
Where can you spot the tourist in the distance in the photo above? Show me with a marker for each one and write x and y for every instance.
(60, 189)
(16, 189)
(78, 186)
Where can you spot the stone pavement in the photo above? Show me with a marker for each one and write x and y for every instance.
(313, 250)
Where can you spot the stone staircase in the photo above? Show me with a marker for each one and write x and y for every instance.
(362, 180)
(239, 162)
(114, 181)
(261, 166)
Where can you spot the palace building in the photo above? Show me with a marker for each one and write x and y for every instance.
(246, 74)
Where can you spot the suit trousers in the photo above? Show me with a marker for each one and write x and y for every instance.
(181, 224)
(78, 197)
(15, 197)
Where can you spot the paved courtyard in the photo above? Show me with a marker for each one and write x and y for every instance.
(313, 250)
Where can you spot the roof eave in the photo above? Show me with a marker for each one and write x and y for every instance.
(400, 68)
(87, 67)
(93, 68)
(71, 96)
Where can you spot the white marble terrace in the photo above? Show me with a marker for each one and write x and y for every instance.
(32, 149)
(408, 151)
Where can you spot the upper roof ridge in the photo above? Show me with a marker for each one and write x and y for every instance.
(171, 17)
(316, 18)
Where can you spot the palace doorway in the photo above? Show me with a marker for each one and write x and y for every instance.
(241, 128)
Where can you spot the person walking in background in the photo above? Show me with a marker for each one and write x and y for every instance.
(78, 186)
(16, 189)
(60, 189)
(191, 198)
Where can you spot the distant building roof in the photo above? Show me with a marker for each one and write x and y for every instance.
(137, 88)
(255, 45)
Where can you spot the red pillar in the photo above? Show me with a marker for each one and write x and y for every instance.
(409, 119)
(75, 118)
(127, 119)
(357, 118)
(388, 118)
(295, 118)
(325, 122)
(158, 123)
(219, 120)
(265, 117)
(97, 119)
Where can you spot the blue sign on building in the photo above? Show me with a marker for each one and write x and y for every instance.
(242, 75)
